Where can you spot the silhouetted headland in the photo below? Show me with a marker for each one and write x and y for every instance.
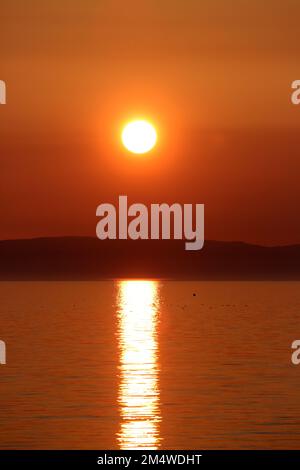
(84, 258)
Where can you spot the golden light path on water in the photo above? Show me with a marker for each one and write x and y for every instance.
(138, 394)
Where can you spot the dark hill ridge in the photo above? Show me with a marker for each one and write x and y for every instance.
(89, 258)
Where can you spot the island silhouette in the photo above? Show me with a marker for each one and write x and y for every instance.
(85, 258)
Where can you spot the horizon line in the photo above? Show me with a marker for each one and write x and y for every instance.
(148, 240)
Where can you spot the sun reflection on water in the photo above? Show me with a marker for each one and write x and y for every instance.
(138, 395)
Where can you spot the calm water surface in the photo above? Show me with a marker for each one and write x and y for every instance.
(147, 364)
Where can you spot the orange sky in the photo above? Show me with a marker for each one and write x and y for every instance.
(213, 75)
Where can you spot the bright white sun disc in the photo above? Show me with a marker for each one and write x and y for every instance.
(139, 136)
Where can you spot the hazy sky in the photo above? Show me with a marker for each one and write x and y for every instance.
(213, 75)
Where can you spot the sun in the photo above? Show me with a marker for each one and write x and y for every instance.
(139, 136)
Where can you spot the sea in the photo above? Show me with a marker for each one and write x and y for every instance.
(149, 364)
